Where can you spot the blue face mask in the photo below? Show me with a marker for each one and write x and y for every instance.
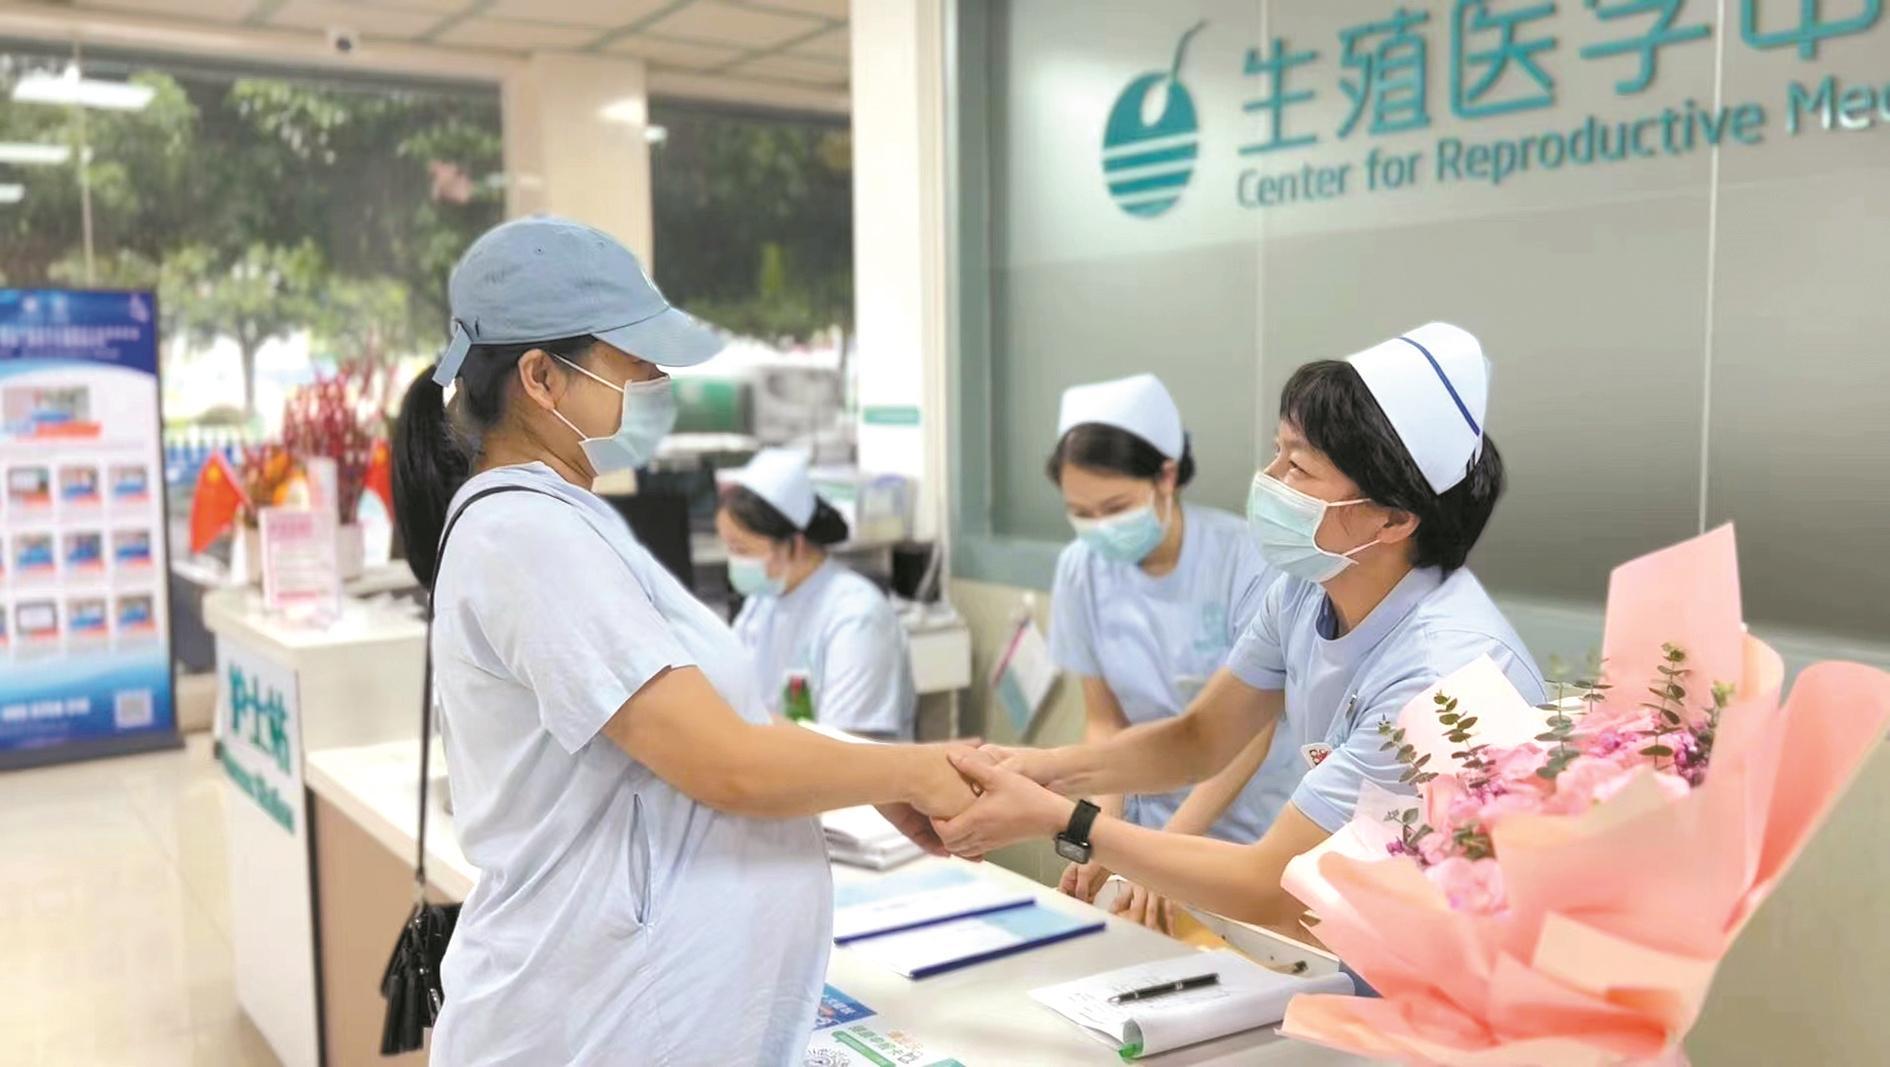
(748, 576)
(1126, 537)
(1286, 522)
(649, 413)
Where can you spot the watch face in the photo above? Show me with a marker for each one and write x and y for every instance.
(1072, 851)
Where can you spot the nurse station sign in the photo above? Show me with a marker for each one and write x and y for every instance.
(1386, 78)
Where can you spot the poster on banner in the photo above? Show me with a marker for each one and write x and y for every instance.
(259, 731)
(85, 659)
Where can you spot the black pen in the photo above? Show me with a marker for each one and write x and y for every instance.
(1177, 986)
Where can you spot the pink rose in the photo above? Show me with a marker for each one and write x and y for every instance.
(1503, 805)
(1591, 780)
(1514, 761)
(1585, 782)
(1470, 885)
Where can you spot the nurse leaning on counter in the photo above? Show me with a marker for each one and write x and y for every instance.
(1148, 601)
(648, 866)
(1383, 482)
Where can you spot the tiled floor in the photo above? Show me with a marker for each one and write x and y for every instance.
(114, 917)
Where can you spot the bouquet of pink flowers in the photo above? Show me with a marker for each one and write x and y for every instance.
(1568, 878)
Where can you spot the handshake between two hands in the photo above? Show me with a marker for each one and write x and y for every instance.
(969, 799)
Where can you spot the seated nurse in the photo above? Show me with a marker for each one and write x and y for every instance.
(1384, 480)
(811, 622)
(1148, 601)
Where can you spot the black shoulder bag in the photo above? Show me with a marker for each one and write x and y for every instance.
(411, 983)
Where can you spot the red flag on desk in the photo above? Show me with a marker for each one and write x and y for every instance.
(213, 507)
(379, 476)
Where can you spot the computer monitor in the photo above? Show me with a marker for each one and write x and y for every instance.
(661, 521)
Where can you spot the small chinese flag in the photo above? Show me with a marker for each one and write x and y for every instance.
(379, 476)
(214, 505)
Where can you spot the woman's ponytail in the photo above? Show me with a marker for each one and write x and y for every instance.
(430, 465)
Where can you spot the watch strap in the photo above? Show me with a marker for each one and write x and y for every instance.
(1081, 820)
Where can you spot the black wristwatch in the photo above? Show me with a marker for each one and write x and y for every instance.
(1073, 842)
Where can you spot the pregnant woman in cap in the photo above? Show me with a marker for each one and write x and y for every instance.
(649, 876)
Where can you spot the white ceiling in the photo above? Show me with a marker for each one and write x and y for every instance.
(802, 43)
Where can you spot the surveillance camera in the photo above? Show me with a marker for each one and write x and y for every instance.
(343, 42)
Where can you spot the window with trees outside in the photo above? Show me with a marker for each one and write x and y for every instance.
(289, 224)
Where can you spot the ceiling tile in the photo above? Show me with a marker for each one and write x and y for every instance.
(229, 11)
(830, 45)
(514, 35)
(833, 9)
(604, 14)
(782, 68)
(685, 55)
(745, 27)
(372, 21)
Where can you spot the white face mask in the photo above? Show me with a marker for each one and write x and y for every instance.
(748, 576)
(1126, 537)
(649, 413)
(1286, 521)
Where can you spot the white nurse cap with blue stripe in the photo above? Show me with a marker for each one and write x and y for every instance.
(1433, 383)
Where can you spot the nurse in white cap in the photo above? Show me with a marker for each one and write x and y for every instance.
(1148, 601)
(1384, 481)
(807, 619)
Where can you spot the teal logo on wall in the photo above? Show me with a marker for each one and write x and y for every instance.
(1503, 63)
(1152, 139)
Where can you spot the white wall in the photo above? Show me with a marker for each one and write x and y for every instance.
(899, 243)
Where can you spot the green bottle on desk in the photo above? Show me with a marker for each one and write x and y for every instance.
(798, 701)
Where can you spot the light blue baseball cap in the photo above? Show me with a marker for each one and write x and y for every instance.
(545, 278)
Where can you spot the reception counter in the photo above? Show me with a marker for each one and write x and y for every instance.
(364, 804)
(283, 691)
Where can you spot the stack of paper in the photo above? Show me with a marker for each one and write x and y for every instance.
(863, 838)
(1246, 997)
(917, 898)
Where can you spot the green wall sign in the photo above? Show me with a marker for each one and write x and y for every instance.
(901, 415)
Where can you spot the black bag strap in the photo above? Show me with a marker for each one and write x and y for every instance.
(426, 681)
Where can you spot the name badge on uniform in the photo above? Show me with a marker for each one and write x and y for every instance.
(1315, 753)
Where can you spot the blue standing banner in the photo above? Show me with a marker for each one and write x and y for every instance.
(85, 653)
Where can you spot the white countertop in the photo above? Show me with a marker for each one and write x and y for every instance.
(378, 786)
(982, 1014)
(238, 612)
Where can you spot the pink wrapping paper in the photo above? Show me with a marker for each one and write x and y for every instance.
(1617, 917)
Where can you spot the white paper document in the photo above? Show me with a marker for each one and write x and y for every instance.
(948, 946)
(1247, 997)
(918, 898)
(862, 837)
(1023, 676)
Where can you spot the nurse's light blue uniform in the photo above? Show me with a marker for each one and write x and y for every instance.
(1156, 641)
(1338, 689)
(839, 630)
(615, 920)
